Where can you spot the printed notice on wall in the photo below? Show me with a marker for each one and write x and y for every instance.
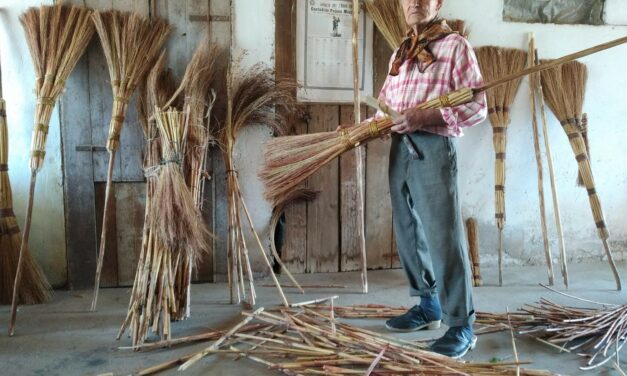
(325, 51)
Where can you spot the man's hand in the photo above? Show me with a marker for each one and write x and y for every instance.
(414, 119)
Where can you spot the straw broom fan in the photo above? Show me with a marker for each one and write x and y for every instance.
(131, 45)
(564, 89)
(57, 37)
(290, 160)
(34, 288)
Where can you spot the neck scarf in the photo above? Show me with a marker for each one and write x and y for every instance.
(416, 47)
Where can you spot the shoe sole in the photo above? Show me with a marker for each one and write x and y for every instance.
(472, 346)
(428, 326)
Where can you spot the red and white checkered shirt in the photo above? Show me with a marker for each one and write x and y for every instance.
(456, 67)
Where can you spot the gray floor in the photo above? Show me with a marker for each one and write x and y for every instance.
(64, 338)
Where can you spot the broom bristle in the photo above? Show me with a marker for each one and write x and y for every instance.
(34, 287)
(389, 18)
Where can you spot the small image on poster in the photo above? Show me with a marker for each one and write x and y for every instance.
(325, 51)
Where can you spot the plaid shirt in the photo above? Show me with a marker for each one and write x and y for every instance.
(456, 67)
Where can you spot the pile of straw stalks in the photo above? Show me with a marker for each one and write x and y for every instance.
(57, 37)
(34, 288)
(308, 340)
(495, 63)
(131, 45)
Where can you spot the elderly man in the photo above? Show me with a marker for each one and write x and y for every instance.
(431, 61)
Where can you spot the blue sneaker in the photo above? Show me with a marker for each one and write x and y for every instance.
(456, 342)
(412, 320)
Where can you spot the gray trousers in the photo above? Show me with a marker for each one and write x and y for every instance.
(428, 224)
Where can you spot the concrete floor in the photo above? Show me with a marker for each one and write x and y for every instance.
(64, 338)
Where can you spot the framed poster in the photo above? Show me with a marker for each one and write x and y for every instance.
(324, 51)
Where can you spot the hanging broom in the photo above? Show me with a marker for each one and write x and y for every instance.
(57, 37)
(130, 44)
(34, 288)
(497, 62)
(290, 160)
(538, 155)
(254, 98)
(564, 89)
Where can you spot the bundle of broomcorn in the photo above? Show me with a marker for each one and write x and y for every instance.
(307, 341)
(495, 63)
(564, 89)
(57, 37)
(174, 232)
(390, 20)
(131, 44)
(34, 288)
(254, 98)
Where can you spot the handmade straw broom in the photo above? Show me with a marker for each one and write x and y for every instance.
(564, 89)
(34, 288)
(473, 251)
(290, 160)
(496, 62)
(57, 37)
(131, 44)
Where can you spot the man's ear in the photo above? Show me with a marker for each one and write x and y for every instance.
(440, 3)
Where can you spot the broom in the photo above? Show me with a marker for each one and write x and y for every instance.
(254, 98)
(538, 155)
(497, 62)
(473, 251)
(57, 37)
(34, 288)
(130, 44)
(564, 89)
(290, 160)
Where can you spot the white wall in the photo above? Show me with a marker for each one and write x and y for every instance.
(47, 239)
(605, 105)
(253, 42)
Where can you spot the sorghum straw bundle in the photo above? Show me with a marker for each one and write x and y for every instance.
(495, 63)
(307, 340)
(254, 98)
(131, 44)
(564, 89)
(57, 37)
(34, 288)
(531, 60)
(473, 250)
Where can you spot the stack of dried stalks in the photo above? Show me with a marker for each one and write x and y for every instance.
(495, 63)
(254, 98)
(308, 341)
(131, 44)
(564, 89)
(57, 37)
(34, 288)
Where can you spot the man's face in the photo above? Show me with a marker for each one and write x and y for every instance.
(419, 12)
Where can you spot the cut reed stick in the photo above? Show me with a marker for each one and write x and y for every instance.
(57, 37)
(537, 89)
(360, 169)
(496, 62)
(34, 288)
(131, 45)
(538, 155)
(564, 89)
(473, 250)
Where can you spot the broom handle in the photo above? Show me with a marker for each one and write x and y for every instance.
(25, 235)
(552, 64)
(103, 233)
(538, 155)
(549, 160)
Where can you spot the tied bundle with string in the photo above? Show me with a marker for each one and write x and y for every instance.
(495, 63)
(34, 288)
(57, 37)
(564, 90)
(255, 97)
(131, 44)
